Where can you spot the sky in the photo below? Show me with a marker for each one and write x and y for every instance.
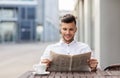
(66, 4)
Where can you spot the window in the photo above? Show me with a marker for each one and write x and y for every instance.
(31, 13)
(23, 13)
(26, 24)
(8, 13)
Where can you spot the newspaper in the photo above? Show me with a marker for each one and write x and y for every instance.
(61, 62)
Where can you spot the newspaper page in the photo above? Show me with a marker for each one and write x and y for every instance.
(61, 62)
(79, 62)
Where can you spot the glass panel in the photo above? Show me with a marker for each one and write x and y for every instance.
(8, 31)
(31, 13)
(25, 34)
(39, 32)
(0, 33)
(8, 13)
(0, 38)
(26, 24)
(23, 13)
(25, 30)
(17, 0)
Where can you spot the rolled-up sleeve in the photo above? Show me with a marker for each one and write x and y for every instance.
(46, 54)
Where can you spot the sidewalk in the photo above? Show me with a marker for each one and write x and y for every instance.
(16, 59)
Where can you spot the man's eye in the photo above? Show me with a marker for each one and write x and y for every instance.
(64, 29)
(71, 29)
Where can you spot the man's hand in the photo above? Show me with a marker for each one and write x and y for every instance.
(46, 61)
(93, 64)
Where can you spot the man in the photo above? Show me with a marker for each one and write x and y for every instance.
(68, 45)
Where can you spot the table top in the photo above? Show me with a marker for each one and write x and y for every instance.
(97, 74)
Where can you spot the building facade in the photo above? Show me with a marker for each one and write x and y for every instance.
(17, 21)
(29, 20)
(50, 13)
(99, 24)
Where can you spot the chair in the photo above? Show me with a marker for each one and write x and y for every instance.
(113, 67)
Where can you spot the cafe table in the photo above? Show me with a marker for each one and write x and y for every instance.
(97, 74)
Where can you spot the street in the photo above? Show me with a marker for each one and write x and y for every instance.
(16, 59)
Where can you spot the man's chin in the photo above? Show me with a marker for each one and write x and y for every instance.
(68, 40)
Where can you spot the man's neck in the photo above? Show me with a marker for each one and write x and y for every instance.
(68, 42)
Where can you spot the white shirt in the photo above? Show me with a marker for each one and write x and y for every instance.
(69, 49)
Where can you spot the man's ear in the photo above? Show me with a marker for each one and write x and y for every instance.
(60, 31)
(76, 29)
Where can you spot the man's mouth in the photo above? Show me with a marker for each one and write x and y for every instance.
(67, 36)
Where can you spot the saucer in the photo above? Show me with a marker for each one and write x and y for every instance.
(44, 73)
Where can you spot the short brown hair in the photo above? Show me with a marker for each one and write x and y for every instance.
(68, 18)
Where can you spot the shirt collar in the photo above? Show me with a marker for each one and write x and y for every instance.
(62, 42)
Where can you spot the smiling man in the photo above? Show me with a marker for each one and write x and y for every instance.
(68, 45)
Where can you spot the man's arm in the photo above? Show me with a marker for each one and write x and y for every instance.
(92, 62)
(45, 58)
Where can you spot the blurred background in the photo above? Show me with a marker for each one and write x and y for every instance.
(28, 26)
(31, 20)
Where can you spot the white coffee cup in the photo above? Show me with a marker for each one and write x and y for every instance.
(40, 68)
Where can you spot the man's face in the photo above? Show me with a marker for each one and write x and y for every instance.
(68, 31)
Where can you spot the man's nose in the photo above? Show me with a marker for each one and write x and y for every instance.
(68, 31)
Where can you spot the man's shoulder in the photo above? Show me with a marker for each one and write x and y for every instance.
(82, 44)
(53, 45)
(84, 47)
